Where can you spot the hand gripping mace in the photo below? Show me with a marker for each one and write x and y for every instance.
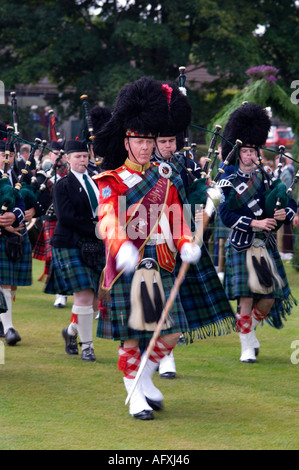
(214, 194)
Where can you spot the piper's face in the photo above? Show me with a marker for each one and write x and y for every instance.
(78, 161)
(248, 155)
(53, 155)
(165, 146)
(2, 158)
(139, 150)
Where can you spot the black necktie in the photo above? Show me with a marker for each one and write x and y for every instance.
(91, 193)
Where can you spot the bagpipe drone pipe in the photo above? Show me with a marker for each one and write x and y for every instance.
(196, 180)
(277, 195)
(30, 186)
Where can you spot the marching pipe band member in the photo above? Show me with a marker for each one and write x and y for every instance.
(214, 307)
(15, 247)
(142, 223)
(42, 249)
(77, 254)
(254, 273)
(166, 145)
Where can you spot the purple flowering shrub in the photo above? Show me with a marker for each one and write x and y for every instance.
(267, 72)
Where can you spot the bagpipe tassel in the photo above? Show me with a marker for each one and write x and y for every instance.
(149, 309)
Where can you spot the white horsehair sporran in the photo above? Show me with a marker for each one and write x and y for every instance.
(147, 297)
(262, 272)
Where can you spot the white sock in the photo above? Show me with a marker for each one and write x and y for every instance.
(72, 329)
(6, 317)
(85, 324)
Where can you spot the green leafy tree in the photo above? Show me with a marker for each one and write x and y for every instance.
(94, 47)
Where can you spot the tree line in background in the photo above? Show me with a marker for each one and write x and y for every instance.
(95, 47)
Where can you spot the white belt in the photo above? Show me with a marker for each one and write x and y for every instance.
(164, 237)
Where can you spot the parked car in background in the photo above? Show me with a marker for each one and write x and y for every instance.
(280, 136)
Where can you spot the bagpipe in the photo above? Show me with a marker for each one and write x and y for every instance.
(209, 163)
(88, 131)
(277, 195)
(8, 194)
(197, 186)
(187, 148)
(30, 184)
(15, 120)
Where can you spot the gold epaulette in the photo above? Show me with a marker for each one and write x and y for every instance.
(113, 173)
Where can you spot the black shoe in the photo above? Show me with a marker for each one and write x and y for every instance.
(71, 346)
(12, 337)
(167, 375)
(2, 335)
(144, 415)
(155, 404)
(88, 354)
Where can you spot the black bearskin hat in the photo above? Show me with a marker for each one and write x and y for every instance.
(141, 109)
(54, 145)
(3, 135)
(179, 113)
(99, 116)
(2, 129)
(249, 123)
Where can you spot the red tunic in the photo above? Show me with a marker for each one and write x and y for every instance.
(168, 228)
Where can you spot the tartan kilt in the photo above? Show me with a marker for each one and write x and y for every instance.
(3, 304)
(205, 303)
(68, 273)
(116, 324)
(17, 273)
(189, 312)
(236, 284)
(42, 249)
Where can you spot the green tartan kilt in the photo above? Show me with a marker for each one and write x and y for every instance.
(205, 303)
(236, 284)
(198, 309)
(18, 273)
(116, 324)
(68, 273)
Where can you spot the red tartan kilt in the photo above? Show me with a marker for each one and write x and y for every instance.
(42, 249)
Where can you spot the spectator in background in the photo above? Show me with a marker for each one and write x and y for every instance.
(289, 163)
(34, 122)
(25, 151)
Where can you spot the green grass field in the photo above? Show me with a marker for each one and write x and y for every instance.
(52, 401)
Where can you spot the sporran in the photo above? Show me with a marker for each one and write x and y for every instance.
(262, 272)
(147, 297)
